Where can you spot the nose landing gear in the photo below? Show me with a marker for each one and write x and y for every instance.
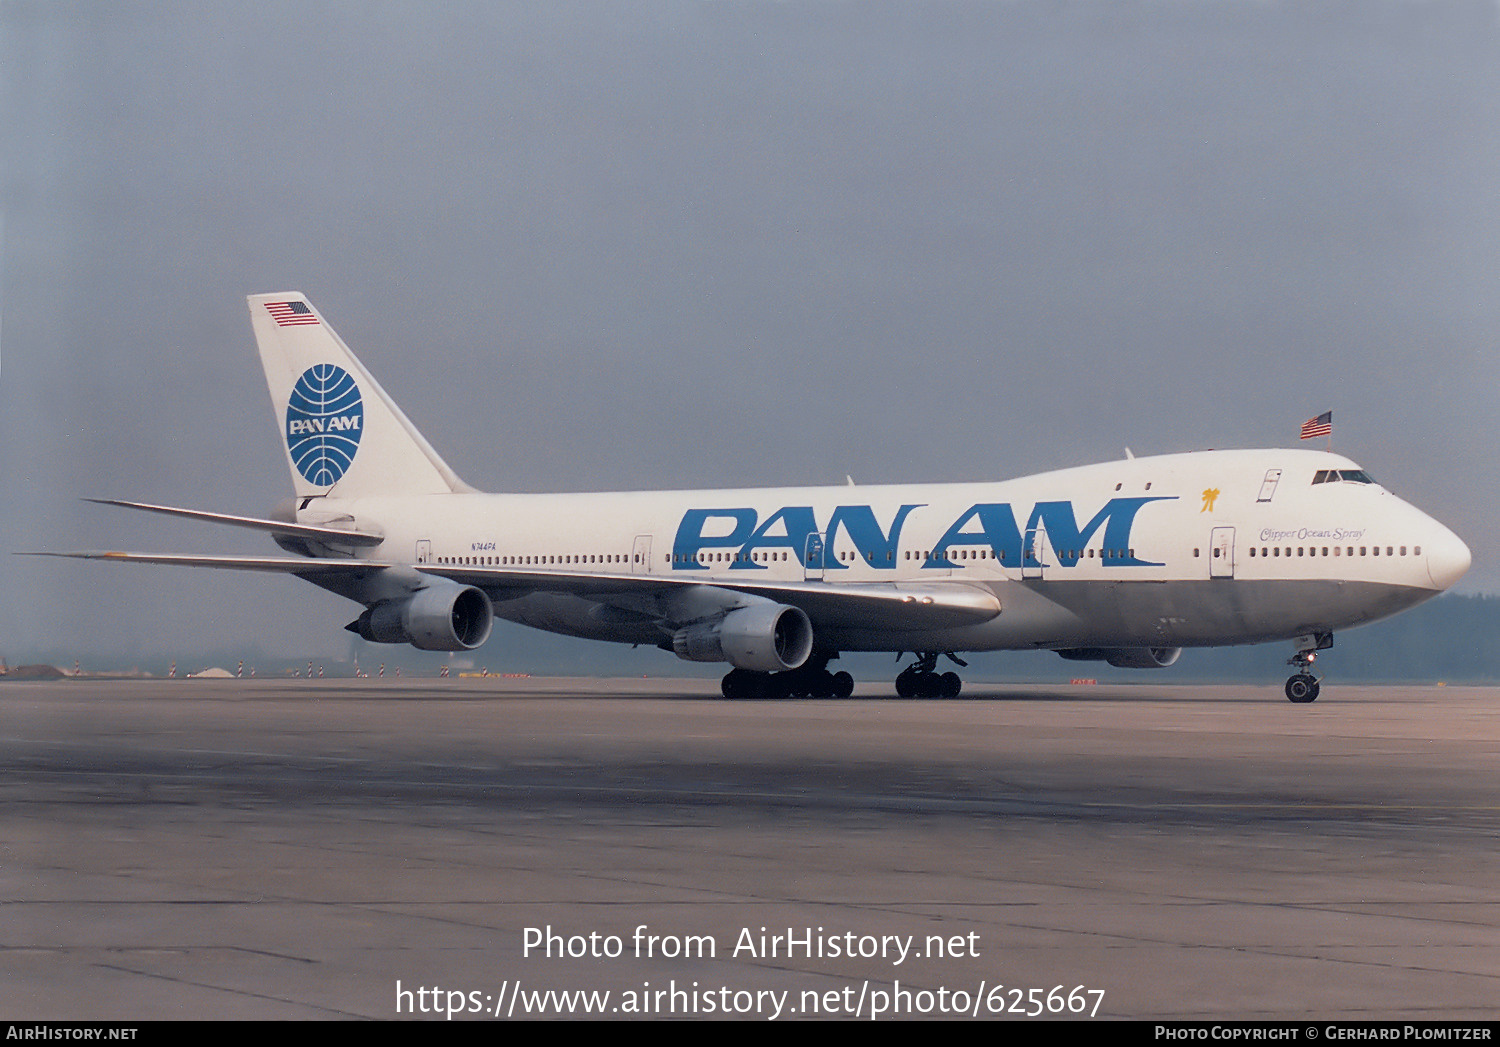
(1302, 688)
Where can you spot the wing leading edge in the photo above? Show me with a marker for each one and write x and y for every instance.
(878, 605)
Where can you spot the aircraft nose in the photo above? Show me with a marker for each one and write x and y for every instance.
(1447, 557)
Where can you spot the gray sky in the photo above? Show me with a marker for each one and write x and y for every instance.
(616, 245)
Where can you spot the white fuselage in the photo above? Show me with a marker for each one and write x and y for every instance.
(1199, 549)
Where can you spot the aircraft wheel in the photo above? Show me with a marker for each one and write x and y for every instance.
(1302, 688)
(843, 685)
(951, 685)
(744, 685)
(906, 685)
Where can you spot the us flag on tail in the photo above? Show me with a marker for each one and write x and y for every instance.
(291, 314)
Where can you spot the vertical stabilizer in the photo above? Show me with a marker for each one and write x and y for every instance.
(342, 434)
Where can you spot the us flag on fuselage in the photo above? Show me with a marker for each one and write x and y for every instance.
(1319, 426)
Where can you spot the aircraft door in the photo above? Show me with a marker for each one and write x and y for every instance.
(424, 551)
(1268, 485)
(640, 556)
(1221, 553)
(812, 559)
(1033, 552)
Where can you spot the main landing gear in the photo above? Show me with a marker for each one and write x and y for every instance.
(810, 680)
(921, 680)
(813, 680)
(1302, 688)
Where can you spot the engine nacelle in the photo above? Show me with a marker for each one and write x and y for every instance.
(444, 616)
(764, 638)
(1125, 657)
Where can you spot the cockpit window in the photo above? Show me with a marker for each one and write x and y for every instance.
(1332, 476)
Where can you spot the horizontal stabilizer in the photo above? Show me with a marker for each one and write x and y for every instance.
(297, 565)
(330, 535)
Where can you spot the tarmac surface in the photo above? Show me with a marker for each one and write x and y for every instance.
(341, 849)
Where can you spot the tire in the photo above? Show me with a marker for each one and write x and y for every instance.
(1301, 689)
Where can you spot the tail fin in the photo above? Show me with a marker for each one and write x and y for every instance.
(341, 431)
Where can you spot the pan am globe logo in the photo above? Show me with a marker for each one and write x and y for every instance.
(324, 418)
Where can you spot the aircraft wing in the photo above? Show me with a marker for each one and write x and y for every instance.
(876, 605)
(884, 605)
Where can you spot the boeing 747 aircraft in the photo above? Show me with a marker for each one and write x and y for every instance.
(1125, 562)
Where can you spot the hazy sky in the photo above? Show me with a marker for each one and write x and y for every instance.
(620, 245)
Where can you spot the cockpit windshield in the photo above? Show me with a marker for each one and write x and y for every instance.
(1353, 476)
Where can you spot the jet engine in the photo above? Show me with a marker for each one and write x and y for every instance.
(443, 616)
(763, 638)
(1125, 657)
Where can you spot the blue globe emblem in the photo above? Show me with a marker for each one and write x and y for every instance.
(325, 416)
